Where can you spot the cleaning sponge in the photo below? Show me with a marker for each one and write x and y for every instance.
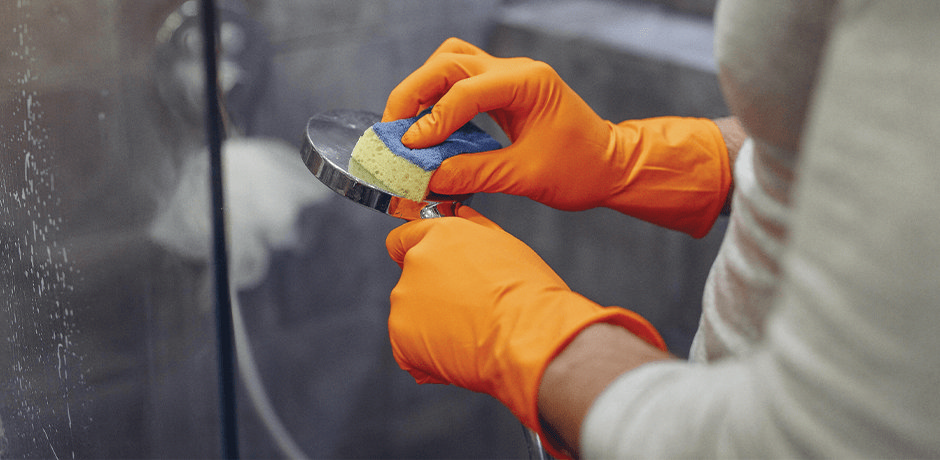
(381, 159)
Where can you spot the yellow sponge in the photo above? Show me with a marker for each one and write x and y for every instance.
(375, 163)
(381, 159)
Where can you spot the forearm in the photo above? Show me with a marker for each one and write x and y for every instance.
(602, 352)
(577, 376)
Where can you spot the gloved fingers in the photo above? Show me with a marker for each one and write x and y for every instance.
(415, 92)
(401, 103)
(452, 49)
(464, 99)
(437, 126)
(458, 86)
(402, 238)
(419, 375)
(457, 46)
(451, 46)
(423, 87)
(398, 325)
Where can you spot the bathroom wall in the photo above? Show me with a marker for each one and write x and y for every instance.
(106, 299)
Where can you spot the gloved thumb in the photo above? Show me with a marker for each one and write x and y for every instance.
(461, 93)
(404, 237)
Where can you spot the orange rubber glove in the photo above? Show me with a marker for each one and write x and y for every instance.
(671, 171)
(477, 308)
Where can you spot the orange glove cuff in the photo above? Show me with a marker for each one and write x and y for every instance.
(680, 176)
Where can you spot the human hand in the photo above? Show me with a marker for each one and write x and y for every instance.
(477, 308)
(559, 154)
(670, 171)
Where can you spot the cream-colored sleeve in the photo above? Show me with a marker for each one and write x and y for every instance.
(849, 365)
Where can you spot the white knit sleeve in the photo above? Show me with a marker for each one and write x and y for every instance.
(849, 365)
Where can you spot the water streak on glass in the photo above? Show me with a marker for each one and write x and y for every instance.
(43, 385)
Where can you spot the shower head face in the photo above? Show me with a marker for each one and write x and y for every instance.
(327, 148)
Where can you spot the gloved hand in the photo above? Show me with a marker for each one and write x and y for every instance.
(477, 308)
(670, 171)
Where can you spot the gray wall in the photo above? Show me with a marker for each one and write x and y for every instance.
(106, 302)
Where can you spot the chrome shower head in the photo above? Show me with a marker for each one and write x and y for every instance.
(328, 145)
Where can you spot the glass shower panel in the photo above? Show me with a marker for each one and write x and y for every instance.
(106, 292)
(108, 332)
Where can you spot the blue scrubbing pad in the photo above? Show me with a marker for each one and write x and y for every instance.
(468, 139)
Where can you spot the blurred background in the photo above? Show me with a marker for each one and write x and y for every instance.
(106, 291)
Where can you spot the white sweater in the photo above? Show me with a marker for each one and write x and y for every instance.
(820, 332)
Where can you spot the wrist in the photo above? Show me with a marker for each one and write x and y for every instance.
(571, 382)
(734, 136)
(520, 384)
